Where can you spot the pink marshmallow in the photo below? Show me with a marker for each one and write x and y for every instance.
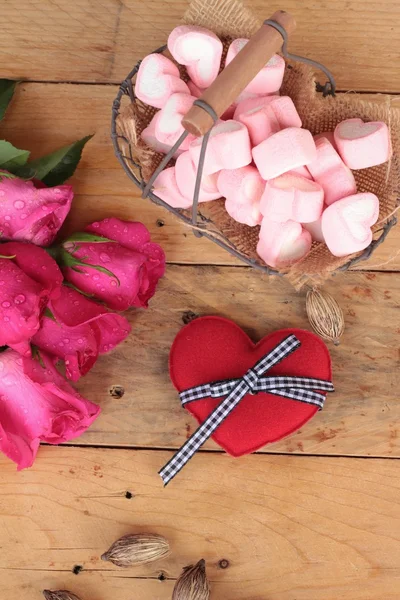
(283, 151)
(269, 79)
(228, 147)
(315, 228)
(362, 145)
(157, 79)
(253, 101)
(283, 244)
(166, 188)
(346, 224)
(303, 171)
(260, 122)
(168, 127)
(285, 112)
(242, 189)
(148, 135)
(292, 198)
(185, 173)
(199, 49)
(330, 171)
(329, 135)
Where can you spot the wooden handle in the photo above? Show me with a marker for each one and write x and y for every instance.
(238, 74)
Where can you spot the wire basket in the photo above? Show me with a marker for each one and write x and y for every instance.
(319, 112)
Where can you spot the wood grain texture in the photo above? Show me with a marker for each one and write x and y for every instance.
(101, 41)
(333, 532)
(59, 114)
(361, 418)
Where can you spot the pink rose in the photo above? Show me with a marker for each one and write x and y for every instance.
(37, 405)
(122, 271)
(79, 332)
(28, 280)
(29, 214)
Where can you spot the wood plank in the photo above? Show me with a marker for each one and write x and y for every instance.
(60, 114)
(332, 533)
(361, 418)
(101, 41)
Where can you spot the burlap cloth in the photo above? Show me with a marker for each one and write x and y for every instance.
(230, 19)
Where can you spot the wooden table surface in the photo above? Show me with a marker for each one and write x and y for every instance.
(314, 517)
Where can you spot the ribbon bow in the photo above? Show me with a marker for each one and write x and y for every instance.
(252, 382)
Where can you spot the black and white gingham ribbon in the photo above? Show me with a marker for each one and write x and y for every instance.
(252, 382)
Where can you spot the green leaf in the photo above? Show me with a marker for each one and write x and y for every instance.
(88, 237)
(10, 157)
(68, 260)
(6, 175)
(37, 356)
(7, 88)
(47, 313)
(56, 167)
(73, 287)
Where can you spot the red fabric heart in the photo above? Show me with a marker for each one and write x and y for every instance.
(213, 348)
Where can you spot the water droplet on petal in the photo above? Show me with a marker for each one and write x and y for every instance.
(6, 319)
(20, 299)
(6, 304)
(66, 340)
(96, 277)
(95, 225)
(76, 302)
(44, 267)
(103, 289)
(104, 257)
(7, 218)
(19, 204)
(61, 344)
(23, 216)
(113, 283)
(80, 341)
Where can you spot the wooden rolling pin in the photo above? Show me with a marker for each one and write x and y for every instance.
(238, 74)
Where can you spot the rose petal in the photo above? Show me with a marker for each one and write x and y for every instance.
(36, 263)
(91, 331)
(37, 404)
(30, 214)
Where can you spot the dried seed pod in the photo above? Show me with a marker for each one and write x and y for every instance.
(325, 315)
(192, 584)
(137, 549)
(59, 595)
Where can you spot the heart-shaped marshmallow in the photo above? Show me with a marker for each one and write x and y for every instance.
(288, 149)
(199, 49)
(291, 197)
(346, 224)
(269, 79)
(362, 145)
(329, 135)
(283, 244)
(185, 173)
(242, 189)
(213, 348)
(260, 122)
(166, 188)
(255, 101)
(303, 171)
(228, 147)
(157, 79)
(315, 228)
(168, 126)
(148, 135)
(330, 171)
(285, 112)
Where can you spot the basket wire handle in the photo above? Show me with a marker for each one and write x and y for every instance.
(330, 86)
